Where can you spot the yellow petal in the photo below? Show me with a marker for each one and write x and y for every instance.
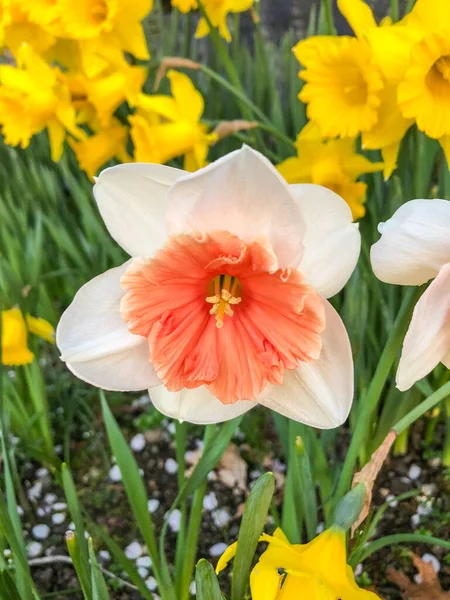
(162, 105)
(391, 47)
(358, 15)
(14, 339)
(240, 5)
(391, 126)
(445, 145)
(295, 170)
(390, 154)
(56, 135)
(228, 555)
(265, 582)
(41, 328)
(189, 100)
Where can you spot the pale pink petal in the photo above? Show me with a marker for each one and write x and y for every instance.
(414, 243)
(132, 202)
(196, 406)
(318, 393)
(427, 341)
(95, 342)
(244, 194)
(332, 241)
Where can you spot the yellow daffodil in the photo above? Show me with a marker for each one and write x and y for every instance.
(15, 333)
(290, 571)
(94, 151)
(331, 163)
(34, 96)
(339, 72)
(168, 126)
(217, 11)
(16, 28)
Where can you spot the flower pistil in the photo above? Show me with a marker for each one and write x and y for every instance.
(225, 288)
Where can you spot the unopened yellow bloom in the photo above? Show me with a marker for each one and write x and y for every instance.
(334, 164)
(217, 11)
(34, 96)
(317, 570)
(15, 335)
(96, 150)
(168, 126)
(343, 84)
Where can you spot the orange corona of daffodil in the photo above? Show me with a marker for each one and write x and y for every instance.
(290, 571)
(168, 126)
(332, 163)
(217, 11)
(15, 329)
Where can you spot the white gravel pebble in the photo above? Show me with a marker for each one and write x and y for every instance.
(425, 508)
(171, 466)
(415, 520)
(218, 549)
(429, 489)
(255, 474)
(320, 527)
(41, 532)
(153, 505)
(50, 498)
(151, 583)
(59, 506)
(7, 553)
(58, 518)
(20, 511)
(35, 491)
(144, 561)
(393, 503)
(115, 474)
(133, 550)
(414, 472)
(193, 588)
(358, 570)
(171, 428)
(210, 501)
(71, 526)
(430, 558)
(34, 549)
(104, 555)
(175, 520)
(143, 572)
(221, 517)
(41, 511)
(41, 473)
(137, 443)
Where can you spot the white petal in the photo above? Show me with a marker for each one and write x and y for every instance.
(243, 193)
(95, 342)
(132, 201)
(414, 243)
(197, 405)
(332, 241)
(427, 341)
(319, 393)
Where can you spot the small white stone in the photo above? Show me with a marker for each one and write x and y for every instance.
(137, 443)
(144, 561)
(171, 466)
(429, 489)
(171, 428)
(414, 472)
(50, 498)
(435, 462)
(104, 555)
(58, 518)
(210, 501)
(320, 527)
(425, 508)
(193, 588)
(255, 474)
(20, 511)
(221, 517)
(41, 473)
(115, 474)
(41, 532)
(41, 512)
(218, 549)
(143, 572)
(415, 520)
(418, 579)
(175, 520)
(71, 526)
(430, 558)
(358, 570)
(211, 476)
(34, 549)
(35, 491)
(59, 506)
(151, 584)
(393, 503)
(133, 550)
(7, 553)
(153, 505)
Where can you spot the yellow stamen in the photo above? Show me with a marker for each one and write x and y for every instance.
(225, 288)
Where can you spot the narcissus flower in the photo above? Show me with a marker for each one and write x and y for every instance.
(334, 164)
(317, 570)
(34, 96)
(15, 334)
(168, 126)
(222, 305)
(339, 71)
(415, 247)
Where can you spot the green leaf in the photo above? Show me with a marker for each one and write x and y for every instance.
(99, 589)
(82, 569)
(253, 520)
(206, 582)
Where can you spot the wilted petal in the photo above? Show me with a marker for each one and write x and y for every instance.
(331, 243)
(244, 194)
(132, 202)
(318, 393)
(427, 341)
(414, 243)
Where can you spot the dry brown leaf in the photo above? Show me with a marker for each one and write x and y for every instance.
(369, 473)
(428, 589)
(173, 62)
(232, 468)
(226, 128)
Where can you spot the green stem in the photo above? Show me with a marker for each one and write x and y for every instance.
(422, 408)
(394, 10)
(401, 444)
(402, 538)
(446, 451)
(372, 398)
(180, 448)
(329, 17)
